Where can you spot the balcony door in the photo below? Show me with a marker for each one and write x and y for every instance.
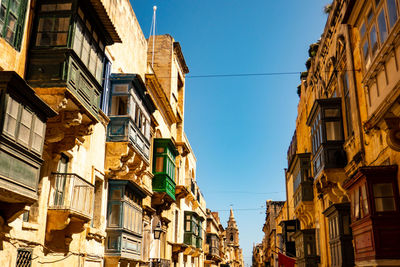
(60, 181)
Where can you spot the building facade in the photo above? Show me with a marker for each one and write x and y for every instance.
(342, 205)
(95, 166)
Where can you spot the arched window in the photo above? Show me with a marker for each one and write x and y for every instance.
(231, 237)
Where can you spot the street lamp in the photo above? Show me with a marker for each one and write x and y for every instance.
(157, 231)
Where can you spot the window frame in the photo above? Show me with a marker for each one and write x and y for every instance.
(20, 23)
(16, 135)
(365, 33)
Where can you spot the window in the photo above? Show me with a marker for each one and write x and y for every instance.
(165, 154)
(384, 197)
(378, 22)
(392, 11)
(12, 19)
(359, 202)
(52, 31)
(383, 32)
(60, 182)
(347, 104)
(124, 206)
(24, 258)
(22, 125)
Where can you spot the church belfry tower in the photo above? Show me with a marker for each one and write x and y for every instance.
(232, 232)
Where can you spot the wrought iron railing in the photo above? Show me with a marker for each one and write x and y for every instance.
(72, 192)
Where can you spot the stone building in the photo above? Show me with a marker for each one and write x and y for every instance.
(214, 251)
(342, 179)
(95, 167)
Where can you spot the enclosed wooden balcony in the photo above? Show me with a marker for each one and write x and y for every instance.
(124, 220)
(375, 214)
(65, 66)
(306, 248)
(23, 126)
(325, 120)
(164, 172)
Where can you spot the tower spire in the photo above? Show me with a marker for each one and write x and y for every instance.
(231, 216)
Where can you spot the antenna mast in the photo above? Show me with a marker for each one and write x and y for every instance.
(153, 32)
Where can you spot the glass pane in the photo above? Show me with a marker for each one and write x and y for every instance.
(85, 50)
(332, 112)
(383, 32)
(159, 164)
(127, 210)
(384, 204)
(115, 214)
(78, 36)
(187, 226)
(120, 88)
(392, 10)
(10, 122)
(66, 6)
(364, 203)
(11, 27)
(357, 203)
(92, 60)
(48, 7)
(362, 30)
(333, 131)
(374, 40)
(370, 16)
(383, 190)
(38, 133)
(116, 194)
(366, 52)
(14, 5)
(25, 127)
(2, 16)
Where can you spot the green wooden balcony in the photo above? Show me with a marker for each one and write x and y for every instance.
(62, 68)
(304, 192)
(190, 239)
(163, 184)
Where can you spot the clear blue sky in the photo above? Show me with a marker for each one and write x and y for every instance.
(240, 127)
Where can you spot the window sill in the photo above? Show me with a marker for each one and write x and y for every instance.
(30, 226)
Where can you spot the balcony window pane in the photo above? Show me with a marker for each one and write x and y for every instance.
(38, 133)
(357, 204)
(383, 32)
(332, 113)
(159, 164)
(25, 127)
(384, 197)
(119, 105)
(364, 203)
(11, 117)
(370, 16)
(362, 30)
(92, 60)
(116, 194)
(85, 49)
(392, 10)
(333, 131)
(374, 40)
(115, 214)
(99, 68)
(366, 53)
(78, 39)
(126, 216)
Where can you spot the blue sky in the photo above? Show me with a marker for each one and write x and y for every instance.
(240, 127)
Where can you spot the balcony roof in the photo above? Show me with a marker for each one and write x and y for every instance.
(101, 12)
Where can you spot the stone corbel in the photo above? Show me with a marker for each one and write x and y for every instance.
(393, 131)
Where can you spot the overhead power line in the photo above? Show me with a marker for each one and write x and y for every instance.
(222, 75)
